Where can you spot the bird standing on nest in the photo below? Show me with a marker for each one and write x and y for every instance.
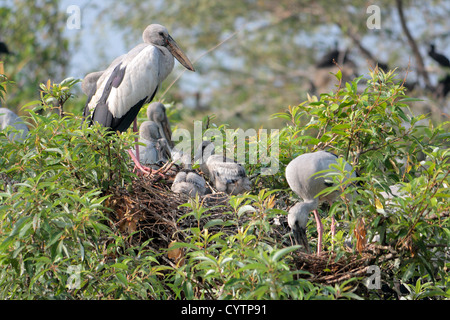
(302, 177)
(156, 112)
(133, 80)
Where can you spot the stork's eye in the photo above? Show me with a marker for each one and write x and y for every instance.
(161, 34)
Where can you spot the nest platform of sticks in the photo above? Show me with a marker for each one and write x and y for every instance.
(148, 209)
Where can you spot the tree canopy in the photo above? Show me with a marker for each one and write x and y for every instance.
(268, 49)
(33, 31)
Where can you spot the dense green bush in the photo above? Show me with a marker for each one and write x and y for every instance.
(54, 228)
(372, 128)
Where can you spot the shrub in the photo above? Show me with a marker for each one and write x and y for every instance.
(56, 240)
(374, 130)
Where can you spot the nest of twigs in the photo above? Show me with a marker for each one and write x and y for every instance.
(148, 209)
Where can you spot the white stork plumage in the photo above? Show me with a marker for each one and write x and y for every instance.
(133, 80)
(302, 177)
(226, 174)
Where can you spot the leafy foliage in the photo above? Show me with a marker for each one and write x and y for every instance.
(34, 33)
(376, 132)
(52, 213)
(56, 242)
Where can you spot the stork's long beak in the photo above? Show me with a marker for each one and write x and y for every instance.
(300, 237)
(167, 133)
(179, 54)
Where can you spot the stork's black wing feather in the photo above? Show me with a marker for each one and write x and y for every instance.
(101, 114)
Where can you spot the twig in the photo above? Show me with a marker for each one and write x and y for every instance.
(412, 43)
(194, 61)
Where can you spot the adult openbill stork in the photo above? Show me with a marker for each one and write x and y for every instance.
(302, 177)
(133, 80)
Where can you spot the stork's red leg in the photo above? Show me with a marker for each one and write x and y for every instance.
(137, 164)
(333, 230)
(319, 231)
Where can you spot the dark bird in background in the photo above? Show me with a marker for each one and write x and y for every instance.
(443, 86)
(4, 48)
(322, 79)
(438, 57)
(332, 57)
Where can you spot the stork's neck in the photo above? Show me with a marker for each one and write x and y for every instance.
(310, 205)
(166, 63)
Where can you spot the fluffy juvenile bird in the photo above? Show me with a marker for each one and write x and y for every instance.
(302, 177)
(89, 86)
(226, 174)
(154, 147)
(189, 182)
(156, 112)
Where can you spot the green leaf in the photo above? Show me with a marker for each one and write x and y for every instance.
(282, 252)
(409, 272)
(408, 99)
(122, 278)
(213, 222)
(54, 238)
(246, 208)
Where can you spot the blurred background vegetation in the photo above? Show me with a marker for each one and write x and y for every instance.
(267, 59)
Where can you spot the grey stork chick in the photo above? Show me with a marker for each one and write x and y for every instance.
(9, 118)
(156, 112)
(154, 149)
(189, 182)
(89, 83)
(302, 177)
(89, 86)
(226, 174)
